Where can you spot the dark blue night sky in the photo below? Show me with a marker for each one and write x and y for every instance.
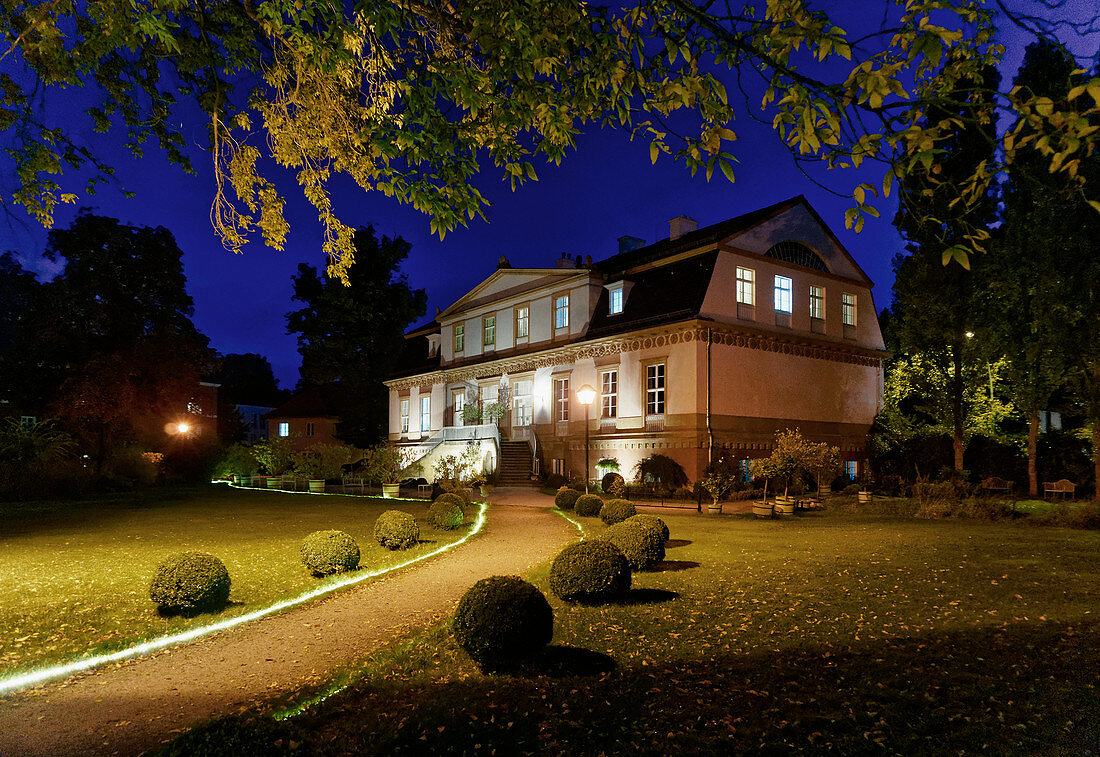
(605, 189)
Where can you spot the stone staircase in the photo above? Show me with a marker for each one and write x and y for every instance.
(515, 464)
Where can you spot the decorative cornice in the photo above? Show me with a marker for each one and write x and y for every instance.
(663, 336)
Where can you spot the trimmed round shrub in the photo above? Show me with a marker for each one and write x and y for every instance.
(641, 543)
(609, 480)
(328, 552)
(617, 510)
(190, 582)
(501, 621)
(590, 572)
(236, 735)
(566, 498)
(652, 520)
(395, 529)
(446, 512)
(454, 498)
(463, 495)
(588, 505)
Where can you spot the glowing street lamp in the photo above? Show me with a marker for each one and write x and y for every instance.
(182, 428)
(585, 395)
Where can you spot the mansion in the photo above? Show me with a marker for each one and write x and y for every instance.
(698, 346)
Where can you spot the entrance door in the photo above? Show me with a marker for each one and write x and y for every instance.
(458, 404)
(522, 405)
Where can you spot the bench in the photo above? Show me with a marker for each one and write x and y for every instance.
(998, 485)
(1064, 486)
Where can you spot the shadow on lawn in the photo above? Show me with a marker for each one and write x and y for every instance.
(647, 597)
(1023, 689)
(673, 543)
(671, 566)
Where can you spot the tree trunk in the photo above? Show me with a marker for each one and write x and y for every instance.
(1033, 454)
(957, 407)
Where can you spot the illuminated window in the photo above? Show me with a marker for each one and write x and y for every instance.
(404, 416)
(523, 317)
(655, 389)
(817, 302)
(490, 330)
(746, 286)
(615, 301)
(284, 429)
(522, 406)
(28, 421)
(425, 414)
(784, 300)
(559, 465)
(848, 309)
(561, 399)
(609, 394)
(851, 469)
(561, 312)
(460, 337)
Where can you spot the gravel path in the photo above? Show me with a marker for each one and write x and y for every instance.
(131, 707)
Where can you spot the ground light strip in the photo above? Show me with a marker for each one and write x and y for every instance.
(57, 671)
(577, 523)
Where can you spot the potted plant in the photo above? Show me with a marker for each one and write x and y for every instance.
(276, 456)
(822, 461)
(865, 496)
(322, 462)
(494, 411)
(387, 465)
(471, 414)
(718, 480)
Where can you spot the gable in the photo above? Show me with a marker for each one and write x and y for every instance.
(509, 282)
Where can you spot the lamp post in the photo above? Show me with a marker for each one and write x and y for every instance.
(585, 395)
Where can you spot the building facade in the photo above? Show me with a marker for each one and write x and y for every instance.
(697, 346)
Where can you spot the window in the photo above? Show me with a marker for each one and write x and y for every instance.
(851, 469)
(561, 399)
(783, 296)
(458, 402)
(848, 309)
(817, 302)
(490, 330)
(746, 470)
(425, 414)
(28, 421)
(523, 316)
(521, 403)
(609, 394)
(746, 286)
(655, 389)
(561, 312)
(284, 429)
(460, 337)
(615, 301)
(559, 466)
(404, 416)
(309, 429)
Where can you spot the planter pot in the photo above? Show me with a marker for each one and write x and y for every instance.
(485, 490)
(865, 497)
(317, 485)
(762, 509)
(274, 482)
(391, 491)
(784, 507)
(713, 509)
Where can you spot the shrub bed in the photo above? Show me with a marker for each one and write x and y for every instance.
(566, 498)
(446, 512)
(501, 621)
(328, 552)
(236, 735)
(616, 511)
(653, 520)
(590, 572)
(641, 543)
(395, 529)
(588, 505)
(190, 582)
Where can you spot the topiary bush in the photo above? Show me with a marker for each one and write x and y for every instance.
(328, 552)
(616, 511)
(190, 582)
(395, 529)
(641, 543)
(446, 512)
(652, 520)
(501, 621)
(590, 572)
(454, 498)
(566, 498)
(610, 480)
(588, 505)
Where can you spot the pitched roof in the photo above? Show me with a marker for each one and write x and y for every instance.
(320, 401)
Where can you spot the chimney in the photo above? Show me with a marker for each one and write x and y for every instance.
(628, 243)
(681, 225)
(565, 262)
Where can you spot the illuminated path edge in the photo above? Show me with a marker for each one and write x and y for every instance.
(42, 675)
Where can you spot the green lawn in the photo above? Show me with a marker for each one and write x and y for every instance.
(823, 634)
(76, 575)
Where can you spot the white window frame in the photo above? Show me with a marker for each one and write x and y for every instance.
(458, 403)
(615, 301)
(284, 428)
(609, 393)
(848, 309)
(404, 416)
(784, 294)
(746, 286)
(489, 331)
(460, 337)
(655, 383)
(425, 413)
(523, 322)
(561, 311)
(817, 302)
(561, 399)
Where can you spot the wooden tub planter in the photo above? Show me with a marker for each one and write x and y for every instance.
(785, 505)
(865, 498)
(274, 482)
(762, 509)
(714, 508)
(317, 485)
(391, 491)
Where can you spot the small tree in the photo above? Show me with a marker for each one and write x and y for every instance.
(821, 460)
(719, 479)
(662, 470)
(276, 456)
(325, 460)
(389, 464)
(454, 472)
(240, 460)
(792, 452)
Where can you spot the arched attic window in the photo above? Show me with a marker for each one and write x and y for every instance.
(797, 253)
